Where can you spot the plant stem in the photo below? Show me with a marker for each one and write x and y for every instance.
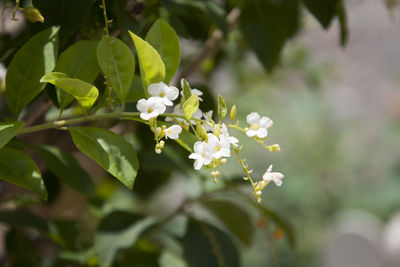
(15, 10)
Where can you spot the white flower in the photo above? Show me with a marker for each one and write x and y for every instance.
(219, 148)
(179, 111)
(202, 155)
(197, 92)
(150, 108)
(173, 132)
(225, 136)
(276, 177)
(258, 126)
(206, 117)
(164, 92)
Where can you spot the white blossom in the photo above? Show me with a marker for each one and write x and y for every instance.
(202, 155)
(150, 108)
(225, 135)
(197, 92)
(173, 132)
(258, 125)
(219, 147)
(166, 93)
(276, 177)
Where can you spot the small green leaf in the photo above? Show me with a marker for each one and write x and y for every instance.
(19, 169)
(205, 245)
(165, 40)
(8, 130)
(235, 218)
(109, 150)
(78, 61)
(187, 91)
(222, 110)
(65, 166)
(36, 58)
(84, 92)
(121, 69)
(118, 230)
(152, 68)
(191, 106)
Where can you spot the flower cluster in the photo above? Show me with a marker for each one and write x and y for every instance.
(215, 144)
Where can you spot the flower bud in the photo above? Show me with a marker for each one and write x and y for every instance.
(201, 131)
(233, 113)
(161, 144)
(158, 132)
(215, 174)
(158, 151)
(222, 161)
(32, 14)
(274, 148)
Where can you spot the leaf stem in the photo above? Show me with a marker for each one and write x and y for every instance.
(15, 10)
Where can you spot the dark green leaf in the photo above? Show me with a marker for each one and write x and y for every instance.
(109, 150)
(85, 93)
(152, 68)
(222, 110)
(36, 58)
(19, 169)
(78, 61)
(8, 130)
(205, 245)
(235, 218)
(23, 218)
(266, 26)
(164, 39)
(117, 63)
(65, 166)
(118, 230)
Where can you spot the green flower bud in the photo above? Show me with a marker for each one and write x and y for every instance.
(202, 132)
(233, 113)
(32, 14)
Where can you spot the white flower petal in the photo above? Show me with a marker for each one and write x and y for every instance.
(251, 133)
(265, 122)
(172, 92)
(253, 118)
(173, 131)
(262, 132)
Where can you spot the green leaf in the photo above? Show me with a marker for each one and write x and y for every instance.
(205, 245)
(258, 22)
(191, 106)
(165, 40)
(78, 61)
(19, 169)
(187, 91)
(152, 68)
(118, 230)
(121, 69)
(65, 166)
(23, 218)
(36, 58)
(8, 130)
(85, 93)
(222, 110)
(235, 218)
(109, 150)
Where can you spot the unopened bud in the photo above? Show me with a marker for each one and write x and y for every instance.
(32, 14)
(258, 193)
(158, 151)
(161, 144)
(215, 174)
(233, 113)
(217, 131)
(274, 148)
(201, 131)
(222, 161)
(158, 132)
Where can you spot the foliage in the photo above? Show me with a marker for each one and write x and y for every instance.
(70, 57)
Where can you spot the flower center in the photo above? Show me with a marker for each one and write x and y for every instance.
(217, 148)
(255, 126)
(162, 94)
(203, 155)
(150, 110)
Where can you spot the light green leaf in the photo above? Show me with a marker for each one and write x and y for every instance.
(109, 150)
(118, 230)
(121, 69)
(152, 68)
(19, 169)
(187, 91)
(206, 245)
(233, 217)
(8, 130)
(78, 61)
(65, 166)
(36, 58)
(191, 106)
(165, 40)
(84, 92)
(222, 110)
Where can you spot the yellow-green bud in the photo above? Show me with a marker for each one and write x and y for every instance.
(158, 151)
(161, 144)
(222, 161)
(201, 131)
(274, 148)
(217, 130)
(158, 132)
(215, 174)
(233, 113)
(32, 14)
